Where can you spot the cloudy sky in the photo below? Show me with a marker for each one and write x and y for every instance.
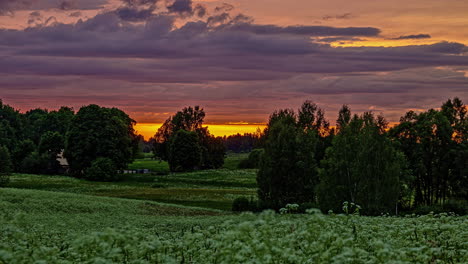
(240, 59)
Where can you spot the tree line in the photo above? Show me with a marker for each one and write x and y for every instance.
(422, 161)
(96, 141)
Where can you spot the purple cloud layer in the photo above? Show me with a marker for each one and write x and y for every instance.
(150, 59)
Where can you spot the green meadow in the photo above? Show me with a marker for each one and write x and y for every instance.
(186, 218)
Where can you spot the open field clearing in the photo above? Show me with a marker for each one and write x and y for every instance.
(53, 227)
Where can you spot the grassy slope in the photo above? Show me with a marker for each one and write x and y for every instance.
(46, 211)
(52, 227)
(210, 189)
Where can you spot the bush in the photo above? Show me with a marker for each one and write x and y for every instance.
(303, 207)
(452, 206)
(458, 207)
(102, 169)
(240, 204)
(253, 160)
(243, 204)
(5, 166)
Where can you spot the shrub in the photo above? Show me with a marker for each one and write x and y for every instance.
(452, 206)
(455, 206)
(253, 160)
(240, 204)
(102, 169)
(303, 207)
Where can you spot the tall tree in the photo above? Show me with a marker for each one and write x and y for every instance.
(361, 166)
(99, 132)
(311, 118)
(185, 152)
(288, 171)
(11, 126)
(5, 166)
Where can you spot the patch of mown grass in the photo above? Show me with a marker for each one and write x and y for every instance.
(77, 213)
(150, 164)
(214, 178)
(206, 198)
(232, 160)
(210, 189)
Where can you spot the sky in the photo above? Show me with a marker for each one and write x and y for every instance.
(239, 60)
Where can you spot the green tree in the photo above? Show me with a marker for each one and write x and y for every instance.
(288, 171)
(23, 149)
(36, 124)
(11, 126)
(51, 145)
(185, 152)
(5, 166)
(361, 166)
(35, 163)
(99, 132)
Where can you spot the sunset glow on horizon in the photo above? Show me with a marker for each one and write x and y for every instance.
(148, 130)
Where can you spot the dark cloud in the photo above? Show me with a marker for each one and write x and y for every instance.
(140, 2)
(341, 16)
(200, 10)
(7, 7)
(218, 19)
(306, 30)
(35, 18)
(418, 36)
(68, 5)
(221, 60)
(134, 14)
(182, 7)
(225, 7)
(337, 39)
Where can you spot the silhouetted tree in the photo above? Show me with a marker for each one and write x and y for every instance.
(288, 170)
(185, 152)
(23, 149)
(361, 166)
(11, 126)
(435, 143)
(99, 132)
(244, 142)
(5, 166)
(190, 119)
